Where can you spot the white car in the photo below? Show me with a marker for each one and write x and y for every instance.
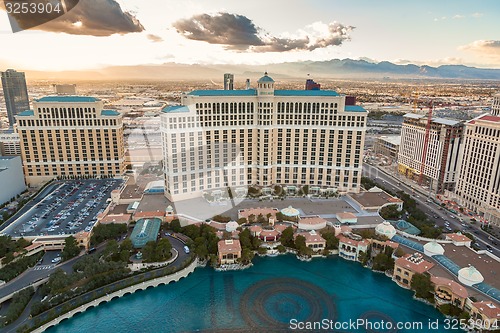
(56, 260)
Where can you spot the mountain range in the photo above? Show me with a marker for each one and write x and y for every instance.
(335, 68)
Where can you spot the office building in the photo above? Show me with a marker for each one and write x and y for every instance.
(228, 81)
(495, 106)
(442, 158)
(64, 89)
(70, 136)
(15, 94)
(11, 178)
(262, 137)
(478, 186)
(388, 146)
(9, 143)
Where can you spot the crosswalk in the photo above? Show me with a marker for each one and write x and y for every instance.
(43, 267)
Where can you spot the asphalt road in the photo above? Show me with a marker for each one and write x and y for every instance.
(38, 272)
(431, 208)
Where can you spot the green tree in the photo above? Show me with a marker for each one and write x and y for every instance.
(71, 248)
(390, 212)
(382, 262)
(162, 251)
(251, 218)
(242, 220)
(175, 225)
(422, 285)
(300, 245)
(332, 242)
(280, 217)
(246, 255)
(287, 237)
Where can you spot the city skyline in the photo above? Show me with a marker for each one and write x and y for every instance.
(221, 32)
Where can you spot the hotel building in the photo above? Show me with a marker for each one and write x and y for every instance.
(235, 138)
(495, 106)
(66, 136)
(15, 93)
(442, 158)
(478, 186)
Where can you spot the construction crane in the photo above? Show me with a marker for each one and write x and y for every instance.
(426, 143)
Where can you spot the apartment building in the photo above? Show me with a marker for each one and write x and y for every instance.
(478, 186)
(70, 136)
(234, 138)
(442, 158)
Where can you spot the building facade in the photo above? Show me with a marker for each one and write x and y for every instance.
(70, 136)
(407, 266)
(11, 178)
(388, 146)
(9, 143)
(235, 138)
(442, 158)
(478, 186)
(15, 93)
(228, 81)
(495, 106)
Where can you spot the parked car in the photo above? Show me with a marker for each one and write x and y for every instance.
(56, 260)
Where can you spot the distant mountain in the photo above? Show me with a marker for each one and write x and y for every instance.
(335, 68)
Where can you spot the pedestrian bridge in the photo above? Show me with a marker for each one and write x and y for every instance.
(120, 293)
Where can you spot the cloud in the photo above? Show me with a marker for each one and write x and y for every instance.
(154, 38)
(88, 17)
(237, 32)
(458, 16)
(489, 48)
(477, 15)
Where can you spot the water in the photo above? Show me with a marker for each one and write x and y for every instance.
(268, 295)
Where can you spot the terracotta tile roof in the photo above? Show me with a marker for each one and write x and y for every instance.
(229, 246)
(142, 215)
(116, 218)
(346, 215)
(458, 237)
(311, 237)
(455, 287)
(420, 266)
(312, 220)
(490, 309)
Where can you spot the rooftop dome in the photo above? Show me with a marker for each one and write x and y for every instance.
(265, 79)
(290, 211)
(470, 276)
(433, 248)
(385, 229)
(231, 226)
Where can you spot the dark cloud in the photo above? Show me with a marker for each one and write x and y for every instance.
(154, 38)
(237, 32)
(88, 17)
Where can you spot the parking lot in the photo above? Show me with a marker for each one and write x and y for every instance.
(71, 207)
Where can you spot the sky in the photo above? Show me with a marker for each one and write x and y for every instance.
(100, 33)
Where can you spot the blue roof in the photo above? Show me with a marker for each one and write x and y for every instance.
(248, 92)
(266, 78)
(253, 92)
(175, 108)
(305, 93)
(354, 108)
(67, 99)
(110, 113)
(26, 113)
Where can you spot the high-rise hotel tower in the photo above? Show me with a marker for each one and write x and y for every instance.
(478, 186)
(234, 138)
(70, 136)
